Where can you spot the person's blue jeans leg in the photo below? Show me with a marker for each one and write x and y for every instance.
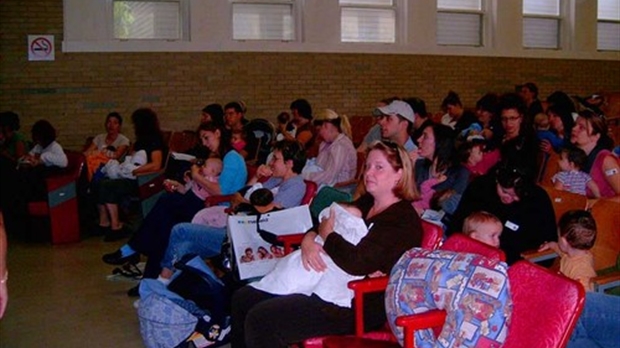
(187, 238)
(599, 323)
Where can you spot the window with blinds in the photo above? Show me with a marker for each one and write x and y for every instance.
(541, 24)
(147, 19)
(263, 21)
(608, 25)
(367, 21)
(459, 22)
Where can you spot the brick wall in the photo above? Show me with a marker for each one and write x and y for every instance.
(77, 90)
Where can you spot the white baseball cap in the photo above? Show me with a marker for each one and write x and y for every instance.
(397, 107)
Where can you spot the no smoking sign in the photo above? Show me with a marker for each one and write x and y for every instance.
(40, 47)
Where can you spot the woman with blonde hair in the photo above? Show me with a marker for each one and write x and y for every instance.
(337, 159)
(393, 228)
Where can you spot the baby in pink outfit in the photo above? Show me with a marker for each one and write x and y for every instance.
(210, 170)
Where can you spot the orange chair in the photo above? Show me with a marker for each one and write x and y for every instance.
(61, 206)
(606, 213)
(564, 201)
(431, 239)
(151, 185)
(385, 338)
(546, 306)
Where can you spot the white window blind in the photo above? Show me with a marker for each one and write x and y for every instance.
(260, 21)
(608, 26)
(541, 24)
(147, 20)
(459, 22)
(367, 21)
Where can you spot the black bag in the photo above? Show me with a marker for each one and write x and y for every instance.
(199, 284)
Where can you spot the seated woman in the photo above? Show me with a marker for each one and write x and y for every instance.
(282, 175)
(46, 157)
(176, 168)
(13, 145)
(110, 192)
(437, 169)
(260, 319)
(337, 159)
(519, 144)
(26, 181)
(151, 238)
(524, 209)
(590, 134)
(106, 146)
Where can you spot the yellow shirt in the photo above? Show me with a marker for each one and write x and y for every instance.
(580, 268)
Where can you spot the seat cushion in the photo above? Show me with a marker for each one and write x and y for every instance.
(473, 289)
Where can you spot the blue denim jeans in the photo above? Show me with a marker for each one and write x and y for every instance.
(598, 324)
(187, 238)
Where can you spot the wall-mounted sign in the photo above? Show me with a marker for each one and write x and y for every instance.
(40, 47)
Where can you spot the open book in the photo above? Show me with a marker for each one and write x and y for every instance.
(182, 156)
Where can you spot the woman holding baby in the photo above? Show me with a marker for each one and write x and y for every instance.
(393, 228)
(151, 238)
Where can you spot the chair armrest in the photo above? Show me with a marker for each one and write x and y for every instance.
(290, 240)
(361, 287)
(410, 323)
(606, 281)
(536, 256)
(150, 183)
(368, 285)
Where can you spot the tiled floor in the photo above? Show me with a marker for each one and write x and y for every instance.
(59, 297)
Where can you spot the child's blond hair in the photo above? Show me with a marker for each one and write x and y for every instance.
(477, 218)
(541, 121)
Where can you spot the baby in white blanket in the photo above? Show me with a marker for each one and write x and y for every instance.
(115, 170)
(290, 277)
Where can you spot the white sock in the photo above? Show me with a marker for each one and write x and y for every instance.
(165, 281)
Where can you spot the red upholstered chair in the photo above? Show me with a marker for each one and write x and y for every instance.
(384, 337)
(61, 206)
(546, 306)
(431, 239)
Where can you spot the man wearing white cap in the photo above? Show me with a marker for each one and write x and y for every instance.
(396, 119)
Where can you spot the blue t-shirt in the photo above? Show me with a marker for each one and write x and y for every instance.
(234, 173)
(290, 192)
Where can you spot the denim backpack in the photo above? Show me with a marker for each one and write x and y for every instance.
(190, 312)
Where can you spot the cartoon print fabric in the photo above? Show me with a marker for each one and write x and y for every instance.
(473, 290)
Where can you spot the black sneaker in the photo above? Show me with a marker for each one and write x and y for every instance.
(134, 292)
(117, 258)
